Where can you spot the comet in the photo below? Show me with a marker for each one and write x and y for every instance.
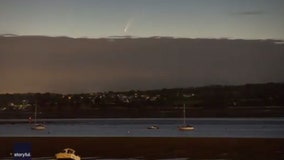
(127, 26)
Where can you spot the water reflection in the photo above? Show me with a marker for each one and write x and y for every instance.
(204, 127)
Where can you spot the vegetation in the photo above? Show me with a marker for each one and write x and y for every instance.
(251, 100)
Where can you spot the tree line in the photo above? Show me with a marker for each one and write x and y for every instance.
(214, 100)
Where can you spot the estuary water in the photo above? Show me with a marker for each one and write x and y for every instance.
(132, 127)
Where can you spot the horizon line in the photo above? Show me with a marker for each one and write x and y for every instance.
(170, 88)
(10, 35)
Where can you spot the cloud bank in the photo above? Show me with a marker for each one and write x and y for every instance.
(67, 65)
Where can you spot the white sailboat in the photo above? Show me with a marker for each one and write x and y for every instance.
(185, 127)
(37, 126)
(153, 127)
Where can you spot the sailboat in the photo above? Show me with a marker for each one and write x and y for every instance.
(153, 127)
(37, 126)
(185, 127)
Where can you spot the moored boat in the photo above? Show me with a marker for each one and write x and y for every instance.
(37, 126)
(153, 127)
(185, 127)
(67, 154)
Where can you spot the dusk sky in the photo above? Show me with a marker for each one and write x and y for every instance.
(215, 42)
(245, 19)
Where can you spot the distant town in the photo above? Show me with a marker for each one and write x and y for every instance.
(250, 100)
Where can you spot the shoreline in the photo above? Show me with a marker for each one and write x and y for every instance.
(152, 147)
(25, 120)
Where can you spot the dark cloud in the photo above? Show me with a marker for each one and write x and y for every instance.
(64, 65)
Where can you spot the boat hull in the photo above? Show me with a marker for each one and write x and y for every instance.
(64, 156)
(67, 154)
(153, 127)
(38, 127)
(186, 128)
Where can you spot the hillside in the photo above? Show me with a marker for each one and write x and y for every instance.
(251, 100)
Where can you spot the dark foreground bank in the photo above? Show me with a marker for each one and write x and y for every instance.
(152, 148)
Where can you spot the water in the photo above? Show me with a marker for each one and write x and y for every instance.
(204, 127)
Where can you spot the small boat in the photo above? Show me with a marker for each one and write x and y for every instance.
(37, 126)
(67, 154)
(153, 127)
(185, 127)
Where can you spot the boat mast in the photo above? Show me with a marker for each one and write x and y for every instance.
(35, 113)
(184, 114)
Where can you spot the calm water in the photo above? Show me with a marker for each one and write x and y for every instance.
(204, 127)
